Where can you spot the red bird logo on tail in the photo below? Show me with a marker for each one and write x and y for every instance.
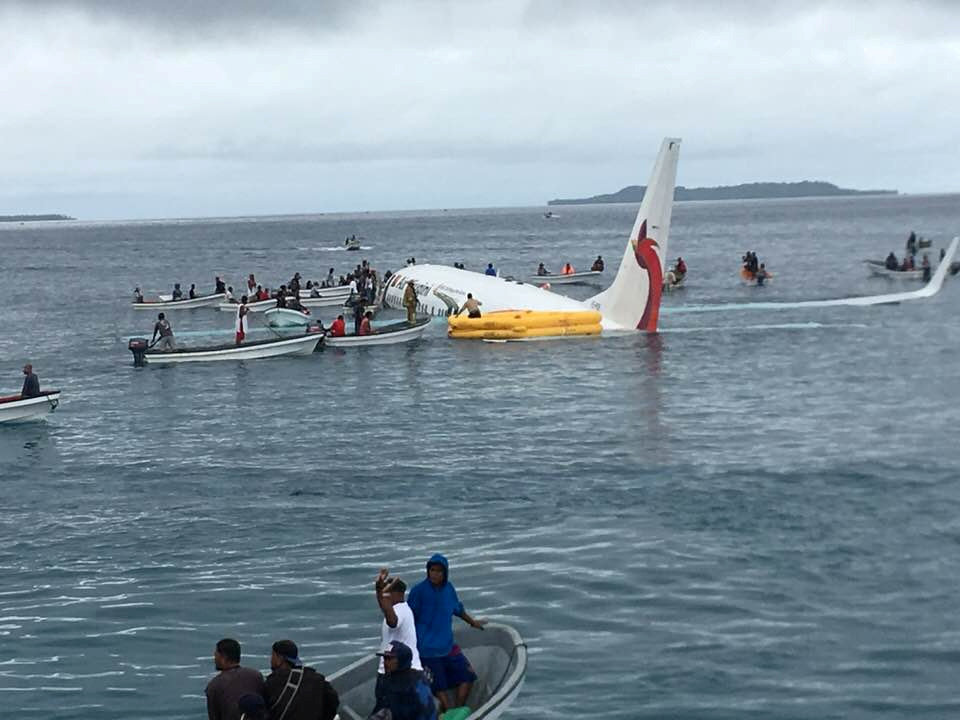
(645, 249)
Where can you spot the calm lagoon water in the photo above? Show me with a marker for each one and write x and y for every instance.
(750, 514)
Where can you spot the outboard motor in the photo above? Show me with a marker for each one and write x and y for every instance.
(138, 346)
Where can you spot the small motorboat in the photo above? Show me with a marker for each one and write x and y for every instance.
(258, 306)
(549, 215)
(496, 652)
(352, 243)
(186, 304)
(255, 350)
(749, 278)
(16, 408)
(878, 268)
(392, 334)
(325, 301)
(587, 277)
(286, 317)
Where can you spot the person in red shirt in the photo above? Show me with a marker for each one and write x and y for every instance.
(365, 327)
(338, 327)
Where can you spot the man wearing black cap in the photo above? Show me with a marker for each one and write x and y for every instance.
(232, 683)
(403, 691)
(295, 692)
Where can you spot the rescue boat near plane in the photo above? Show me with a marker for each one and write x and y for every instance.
(631, 302)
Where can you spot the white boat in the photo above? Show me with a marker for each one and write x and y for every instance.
(325, 301)
(255, 350)
(392, 334)
(259, 306)
(586, 277)
(498, 656)
(285, 317)
(879, 269)
(352, 243)
(186, 304)
(16, 408)
(336, 291)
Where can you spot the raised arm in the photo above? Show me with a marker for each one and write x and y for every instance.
(382, 588)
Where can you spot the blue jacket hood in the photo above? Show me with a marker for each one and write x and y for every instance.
(438, 559)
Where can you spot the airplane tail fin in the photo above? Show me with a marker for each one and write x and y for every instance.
(633, 299)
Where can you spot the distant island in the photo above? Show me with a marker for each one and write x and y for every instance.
(747, 191)
(32, 218)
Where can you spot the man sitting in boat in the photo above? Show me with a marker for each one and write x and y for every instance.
(295, 692)
(491, 270)
(568, 269)
(338, 328)
(891, 262)
(597, 264)
(229, 295)
(177, 292)
(220, 286)
(137, 295)
(193, 291)
(262, 293)
(761, 274)
(472, 306)
(163, 329)
(680, 269)
(402, 690)
(542, 270)
(365, 327)
(31, 383)
(434, 603)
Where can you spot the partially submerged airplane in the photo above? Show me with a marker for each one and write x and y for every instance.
(631, 302)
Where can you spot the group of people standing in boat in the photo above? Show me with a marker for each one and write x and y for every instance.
(753, 269)
(421, 672)
(909, 261)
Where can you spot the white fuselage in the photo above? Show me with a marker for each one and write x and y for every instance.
(442, 290)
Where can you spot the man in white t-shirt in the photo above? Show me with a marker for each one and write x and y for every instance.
(398, 623)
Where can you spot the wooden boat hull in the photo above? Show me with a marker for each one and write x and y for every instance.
(387, 335)
(188, 304)
(275, 347)
(15, 408)
(578, 278)
(498, 656)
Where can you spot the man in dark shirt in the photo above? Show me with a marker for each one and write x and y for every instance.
(402, 690)
(295, 692)
(231, 683)
(31, 384)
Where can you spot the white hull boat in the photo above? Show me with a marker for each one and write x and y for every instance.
(187, 304)
(325, 301)
(578, 278)
(393, 334)
(338, 291)
(256, 350)
(259, 306)
(498, 656)
(285, 317)
(879, 269)
(16, 408)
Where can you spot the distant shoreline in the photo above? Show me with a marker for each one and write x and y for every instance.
(745, 191)
(33, 218)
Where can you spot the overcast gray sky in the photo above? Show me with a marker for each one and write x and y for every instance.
(176, 108)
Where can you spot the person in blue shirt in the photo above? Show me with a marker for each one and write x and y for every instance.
(434, 603)
(402, 690)
(490, 270)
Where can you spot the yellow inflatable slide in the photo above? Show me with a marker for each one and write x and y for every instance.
(519, 324)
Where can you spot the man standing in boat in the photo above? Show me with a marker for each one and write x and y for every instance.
(295, 692)
(162, 328)
(31, 383)
(231, 683)
(435, 603)
(241, 324)
(398, 623)
(410, 302)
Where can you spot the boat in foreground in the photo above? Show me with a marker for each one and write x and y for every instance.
(392, 334)
(186, 304)
(578, 278)
(496, 652)
(16, 408)
(273, 347)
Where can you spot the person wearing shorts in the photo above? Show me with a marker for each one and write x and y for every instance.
(434, 603)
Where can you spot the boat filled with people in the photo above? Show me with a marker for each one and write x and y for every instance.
(188, 303)
(498, 657)
(392, 334)
(18, 408)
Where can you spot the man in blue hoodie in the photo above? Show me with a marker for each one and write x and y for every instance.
(434, 602)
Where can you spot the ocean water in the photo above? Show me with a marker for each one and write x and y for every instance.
(751, 514)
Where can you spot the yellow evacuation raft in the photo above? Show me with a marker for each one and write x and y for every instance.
(518, 324)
